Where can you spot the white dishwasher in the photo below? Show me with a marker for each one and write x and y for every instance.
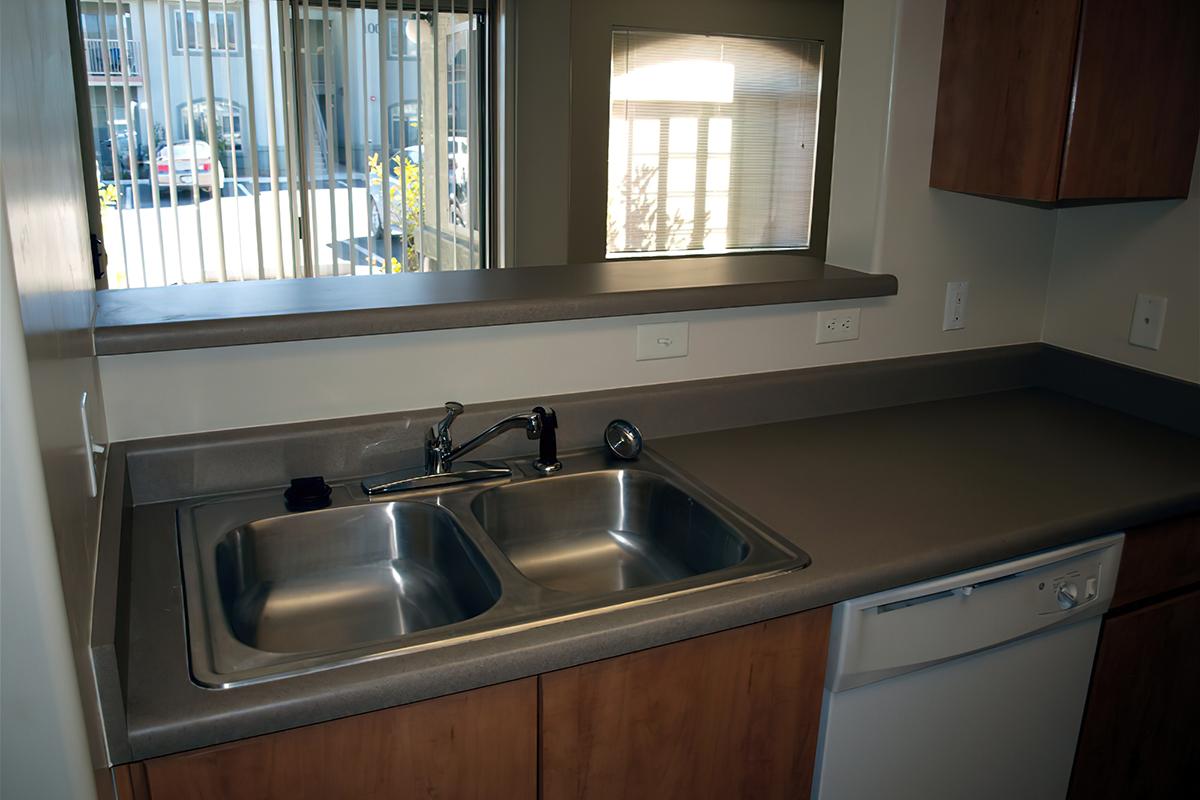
(967, 687)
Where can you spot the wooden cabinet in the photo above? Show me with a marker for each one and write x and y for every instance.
(733, 714)
(1068, 100)
(1139, 736)
(477, 744)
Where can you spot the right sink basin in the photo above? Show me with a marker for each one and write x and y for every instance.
(607, 531)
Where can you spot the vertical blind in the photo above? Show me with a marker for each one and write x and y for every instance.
(259, 139)
(712, 142)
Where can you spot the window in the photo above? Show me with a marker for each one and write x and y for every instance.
(323, 156)
(408, 40)
(228, 116)
(223, 26)
(712, 143)
(404, 132)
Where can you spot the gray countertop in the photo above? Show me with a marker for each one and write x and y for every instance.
(877, 498)
(218, 315)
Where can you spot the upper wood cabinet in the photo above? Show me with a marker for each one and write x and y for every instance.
(1068, 100)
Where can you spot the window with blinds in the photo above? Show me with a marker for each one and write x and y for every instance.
(260, 139)
(712, 143)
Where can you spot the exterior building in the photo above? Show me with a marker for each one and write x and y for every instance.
(145, 60)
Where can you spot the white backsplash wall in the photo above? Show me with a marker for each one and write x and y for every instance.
(925, 237)
(1104, 256)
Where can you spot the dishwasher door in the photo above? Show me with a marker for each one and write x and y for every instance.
(967, 687)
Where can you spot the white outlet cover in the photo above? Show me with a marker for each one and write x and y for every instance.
(663, 340)
(838, 325)
(954, 317)
(1149, 315)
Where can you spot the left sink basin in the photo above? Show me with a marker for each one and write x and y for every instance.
(268, 590)
(344, 577)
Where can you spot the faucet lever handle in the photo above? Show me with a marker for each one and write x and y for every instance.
(453, 409)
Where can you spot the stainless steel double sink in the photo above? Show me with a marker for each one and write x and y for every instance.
(271, 593)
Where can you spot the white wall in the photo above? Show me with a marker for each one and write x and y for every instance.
(1104, 256)
(49, 302)
(43, 749)
(924, 236)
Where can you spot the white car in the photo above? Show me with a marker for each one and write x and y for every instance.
(207, 174)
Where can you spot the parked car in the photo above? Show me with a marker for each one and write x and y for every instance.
(207, 174)
(456, 190)
(457, 153)
(104, 157)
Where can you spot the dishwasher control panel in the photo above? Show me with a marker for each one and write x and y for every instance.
(901, 629)
(1065, 586)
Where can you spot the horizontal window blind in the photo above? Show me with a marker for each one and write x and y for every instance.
(261, 139)
(712, 142)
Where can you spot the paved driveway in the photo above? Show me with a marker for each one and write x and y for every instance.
(187, 251)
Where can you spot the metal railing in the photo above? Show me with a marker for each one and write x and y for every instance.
(97, 63)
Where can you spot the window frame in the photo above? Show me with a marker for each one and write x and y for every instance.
(182, 41)
(175, 35)
(592, 28)
(638, 110)
(222, 106)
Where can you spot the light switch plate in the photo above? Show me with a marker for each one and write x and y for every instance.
(954, 317)
(1149, 314)
(838, 325)
(664, 340)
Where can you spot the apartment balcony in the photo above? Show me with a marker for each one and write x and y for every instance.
(120, 57)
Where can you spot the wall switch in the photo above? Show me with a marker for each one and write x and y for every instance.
(665, 340)
(954, 317)
(1149, 313)
(837, 326)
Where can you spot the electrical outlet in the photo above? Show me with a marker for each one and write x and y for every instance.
(1149, 314)
(837, 326)
(665, 340)
(954, 316)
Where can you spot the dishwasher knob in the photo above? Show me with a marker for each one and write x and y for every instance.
(1068, 595)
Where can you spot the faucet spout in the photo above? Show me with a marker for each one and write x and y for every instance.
(440, 453)
(540, 423)
(531, 422)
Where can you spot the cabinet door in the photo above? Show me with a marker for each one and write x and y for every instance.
(477, 744)
(1003, 97)
(1139, 735)
(1135, 102)
(732, 714)
(1158, 558)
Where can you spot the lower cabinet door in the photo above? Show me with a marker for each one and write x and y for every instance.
(1140, 736)
(734, 714)
(476, 744)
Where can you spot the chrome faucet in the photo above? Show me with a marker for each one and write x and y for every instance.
(540, 424)
(441, 454)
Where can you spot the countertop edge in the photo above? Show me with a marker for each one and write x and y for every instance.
(147, 320)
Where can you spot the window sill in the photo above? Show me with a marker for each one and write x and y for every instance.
(256, 312)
